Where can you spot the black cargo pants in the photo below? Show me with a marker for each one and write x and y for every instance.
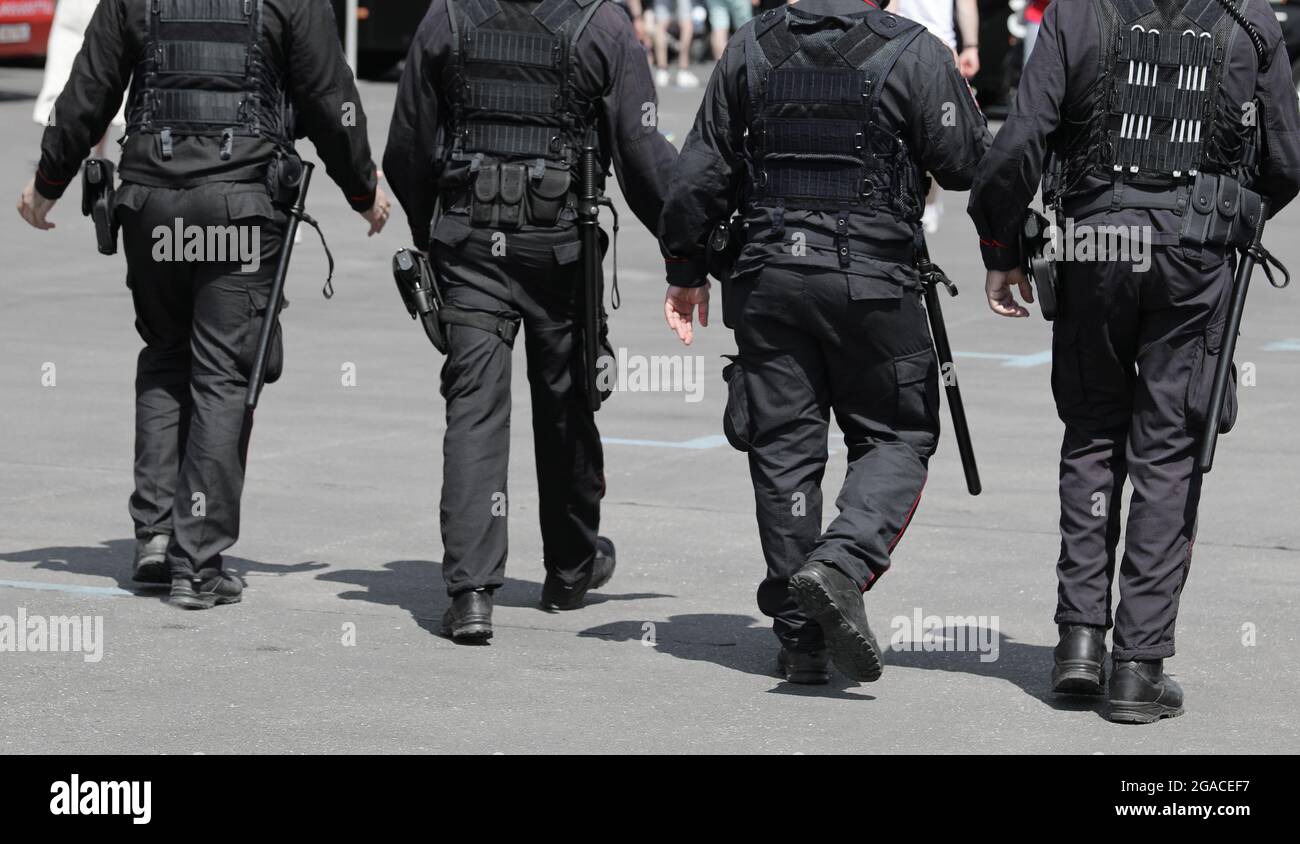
(813, 342)
(532, 274)
(199, 317)
(1133, 357)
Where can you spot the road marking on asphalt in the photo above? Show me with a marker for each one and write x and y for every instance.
(1018, 361)
(104, 591)
(712, 441)
(1291, 345)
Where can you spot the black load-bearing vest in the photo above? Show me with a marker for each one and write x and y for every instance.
(518, 122)
(204, 73)
(1158, 117)
(816, 139)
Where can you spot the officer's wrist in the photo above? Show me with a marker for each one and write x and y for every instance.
(48, 188)
(686, 272)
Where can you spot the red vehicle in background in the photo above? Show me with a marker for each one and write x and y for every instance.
(24, 27)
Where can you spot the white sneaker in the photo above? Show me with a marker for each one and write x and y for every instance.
(686, 79)
(930, 219)
(661, 78)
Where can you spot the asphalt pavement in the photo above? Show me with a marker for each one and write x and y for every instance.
(335, 648)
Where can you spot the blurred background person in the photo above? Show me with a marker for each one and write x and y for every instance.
(71, 17)
(659, 17)
(945, 18)
(724, 17)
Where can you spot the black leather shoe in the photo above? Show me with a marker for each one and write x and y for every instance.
(805, 667)
(469, 618)
(1079, 655)
(151, 560)
(834, 601)
(207, 591)
(1141, 693)
(558, 595)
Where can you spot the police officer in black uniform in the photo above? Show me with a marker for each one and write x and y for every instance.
(215, 86)
(1172, 117)
(819, 125)
(496, 101)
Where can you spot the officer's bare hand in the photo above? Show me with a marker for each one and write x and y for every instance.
(679, 308)
(377, 214)
(968, 62)
(998, 287)
(34, 208)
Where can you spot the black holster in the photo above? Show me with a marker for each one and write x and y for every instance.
(419, 291)
(725, 242)
(97, 188)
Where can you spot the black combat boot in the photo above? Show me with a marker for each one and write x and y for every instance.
(469, 618)
(206, 590)
(1141, 693)
(834, 601)
(1079, 654)
(151, 560)
(558, 595)
(810, 668)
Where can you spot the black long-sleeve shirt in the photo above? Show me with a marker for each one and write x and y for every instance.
(611, 70)
(925, 102)
(1062, 71)
(299, 36)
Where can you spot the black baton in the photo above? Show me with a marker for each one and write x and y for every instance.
(276, 298)
(1223, 372)
(592, 293)
(931, 278)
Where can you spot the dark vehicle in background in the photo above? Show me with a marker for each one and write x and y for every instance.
(385, 29)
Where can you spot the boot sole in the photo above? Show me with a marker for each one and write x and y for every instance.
(1135, 712)
(807, 678)
(853, 652)
(1078, 679)
(152, 572)
(469, 632)
(201, 602)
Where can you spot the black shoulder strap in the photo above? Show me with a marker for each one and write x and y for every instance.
(879, 64)
(478, 12)
(1131, 10)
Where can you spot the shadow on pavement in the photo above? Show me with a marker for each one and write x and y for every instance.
(737, 642)
(416, 586)
(1026, 666)
(113, 558)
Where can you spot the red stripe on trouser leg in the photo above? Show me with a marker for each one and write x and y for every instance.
(893, 543)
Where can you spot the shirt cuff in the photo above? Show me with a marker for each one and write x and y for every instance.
(998, 255)
(686, 272)
(49, 188)
(362, 202)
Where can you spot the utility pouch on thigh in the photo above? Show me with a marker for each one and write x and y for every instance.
(547, 196)
(487, 184)
(1220, 213)
(514, 183)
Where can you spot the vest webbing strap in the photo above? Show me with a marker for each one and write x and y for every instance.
(507, 47)
(494, 95)
(206, 11)
(509, 139)
(219, 58)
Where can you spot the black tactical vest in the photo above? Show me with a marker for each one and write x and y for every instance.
(518, 123)
(816, 140)
(1159, 117)
(204, 73)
